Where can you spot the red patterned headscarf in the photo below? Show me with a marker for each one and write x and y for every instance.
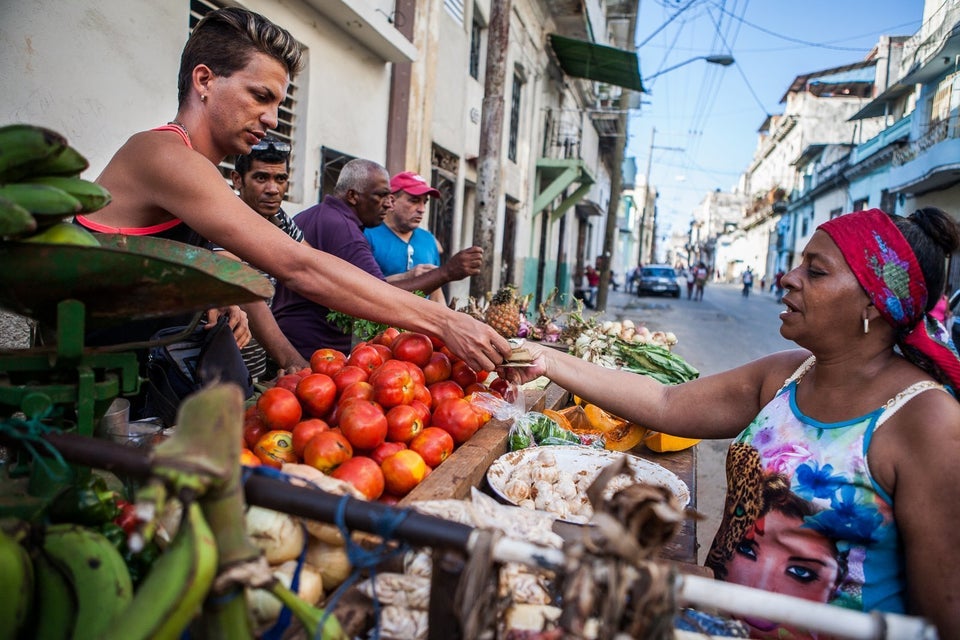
(887, 269)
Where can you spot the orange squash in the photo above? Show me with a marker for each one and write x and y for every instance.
(662, 443)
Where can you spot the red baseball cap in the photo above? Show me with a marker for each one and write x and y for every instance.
(412, 183)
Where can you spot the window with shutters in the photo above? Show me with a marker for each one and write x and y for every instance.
(455, 9)
(514, 116)
(476, 44)
(286, 122)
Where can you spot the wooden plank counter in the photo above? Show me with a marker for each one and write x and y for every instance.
(467, 468)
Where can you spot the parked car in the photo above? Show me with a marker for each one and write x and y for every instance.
(658, 279)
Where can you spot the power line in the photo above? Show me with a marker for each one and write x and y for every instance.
(770, 32)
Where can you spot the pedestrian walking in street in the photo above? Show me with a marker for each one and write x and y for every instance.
(690, 278)
(747, 280)
(875, 509)
(777, 284)
(700, 280)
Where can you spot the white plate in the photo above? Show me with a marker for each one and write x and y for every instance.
(583, 460)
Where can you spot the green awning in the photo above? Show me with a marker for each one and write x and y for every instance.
(582, 59)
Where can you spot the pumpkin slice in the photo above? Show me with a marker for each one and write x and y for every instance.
(662, 443)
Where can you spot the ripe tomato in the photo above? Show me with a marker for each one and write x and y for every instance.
(403, 471)
(422, 394)
(415, 372)
(361, 389)
(303, 373)
(444, 390)
(383, 350)
(412, 347)
(328, 450)
(386, 337)
(304, 431)
(253, 429)
(288, 381)
(388, 499)
(424, 410)
(438, 369)
(279, 408)
(275, 448)
(249, 458)
(327, 361)
(437, 343)
(463, 374)
(365, 357)
(317, 392)
(364, 474)
(363, 423)
(433, 444)
(482, 375)
(385, 450)
(403, 423)
(499, 385)
(348, 375)
(476, 387)
(458, 418)
(392, 385)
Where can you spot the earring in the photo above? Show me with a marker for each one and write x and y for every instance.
(866, 326)
(203, 98)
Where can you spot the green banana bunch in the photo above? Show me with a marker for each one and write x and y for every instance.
(40, 182)
(16, 586)
(308, 615)
(176, 586)
(55, 610)
(95, 572)
(23, 146)
(14, 219)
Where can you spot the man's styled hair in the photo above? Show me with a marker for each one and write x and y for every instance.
(269, 149)
(225, 39)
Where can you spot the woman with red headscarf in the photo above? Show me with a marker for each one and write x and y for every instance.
(860, 422)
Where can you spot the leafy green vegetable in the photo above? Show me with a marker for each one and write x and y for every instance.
(655, 361)
(362, 329)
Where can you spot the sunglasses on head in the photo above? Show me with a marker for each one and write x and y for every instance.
(278, 146)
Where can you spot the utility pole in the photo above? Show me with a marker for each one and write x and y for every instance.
(491, 139)
(616, 180)
(646, 196)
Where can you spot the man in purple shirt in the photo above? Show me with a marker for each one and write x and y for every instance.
(360, 199)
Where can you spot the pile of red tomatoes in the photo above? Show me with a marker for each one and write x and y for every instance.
(381, 418)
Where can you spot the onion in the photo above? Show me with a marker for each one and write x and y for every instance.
(265, 608)
(279, 535)
(331, 561)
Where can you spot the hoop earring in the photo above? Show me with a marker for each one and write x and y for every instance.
(866, 326)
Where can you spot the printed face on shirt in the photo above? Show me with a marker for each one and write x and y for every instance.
(263, 186)
(407, 212)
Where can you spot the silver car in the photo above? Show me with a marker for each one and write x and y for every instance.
(658, 279)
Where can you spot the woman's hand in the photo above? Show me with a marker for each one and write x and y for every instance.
(527, 372)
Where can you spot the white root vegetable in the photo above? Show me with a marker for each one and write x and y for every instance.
(279, 535)
(265, 608)
(331, 561)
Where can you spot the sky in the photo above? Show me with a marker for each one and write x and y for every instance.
(707, 116)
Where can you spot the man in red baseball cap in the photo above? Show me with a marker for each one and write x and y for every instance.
(399, 244)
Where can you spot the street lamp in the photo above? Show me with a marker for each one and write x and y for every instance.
(720, 59)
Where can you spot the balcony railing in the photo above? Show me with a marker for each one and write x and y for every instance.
(891, 134)
(938, 132)
(564, 135)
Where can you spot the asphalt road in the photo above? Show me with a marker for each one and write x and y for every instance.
(723, 331)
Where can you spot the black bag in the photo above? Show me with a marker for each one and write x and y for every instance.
(176, 370)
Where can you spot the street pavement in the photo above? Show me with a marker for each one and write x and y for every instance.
(723, 331)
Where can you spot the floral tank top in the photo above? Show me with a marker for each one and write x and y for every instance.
(803, 514)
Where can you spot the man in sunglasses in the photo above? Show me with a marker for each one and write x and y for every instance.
(261, 178)
(399, 244)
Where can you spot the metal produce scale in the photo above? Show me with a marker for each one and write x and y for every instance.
(71, 290)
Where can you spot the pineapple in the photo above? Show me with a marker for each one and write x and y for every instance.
(503, 312)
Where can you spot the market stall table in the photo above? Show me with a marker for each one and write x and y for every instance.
(467, 466)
